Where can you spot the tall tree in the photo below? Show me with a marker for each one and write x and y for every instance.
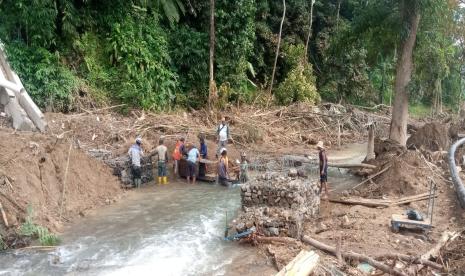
(410, 14)
(212, 96)
(277, 47)
(309, 34)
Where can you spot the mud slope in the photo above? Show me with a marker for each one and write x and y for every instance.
(32, 171)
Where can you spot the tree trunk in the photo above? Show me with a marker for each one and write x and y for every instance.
(411, 18)
(212, 96)
(337, 14)
(309, 29)
(277, 47)
(371, 143)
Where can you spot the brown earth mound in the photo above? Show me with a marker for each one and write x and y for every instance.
(432, 136)
(32, 172)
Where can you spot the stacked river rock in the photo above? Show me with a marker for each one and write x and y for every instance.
(277, 205)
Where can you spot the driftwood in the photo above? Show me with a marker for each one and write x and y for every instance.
(5, 220)
(382, 203)
(407, 258)
(434, 252)
(355, 256)
(302, 159)
(302, 265)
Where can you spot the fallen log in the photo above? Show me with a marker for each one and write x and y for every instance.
(354, 256)
(408, 258)
(383, 203)
(302, 265)
(303, 159)
(362, 201)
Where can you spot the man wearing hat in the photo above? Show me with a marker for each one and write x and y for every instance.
(323, 167)
(135, 155)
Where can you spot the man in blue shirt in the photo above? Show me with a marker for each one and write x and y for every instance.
(193, 156)
(203, 155)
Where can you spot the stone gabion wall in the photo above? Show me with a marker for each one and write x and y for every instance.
(277, 205)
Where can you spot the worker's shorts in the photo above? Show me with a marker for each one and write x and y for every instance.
(136, 172)
(324, 177)
(161, 168)
(221, 144)
(191, 169)
(176, 166)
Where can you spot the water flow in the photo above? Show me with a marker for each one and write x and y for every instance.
(160, 231)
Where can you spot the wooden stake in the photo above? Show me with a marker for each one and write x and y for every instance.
(64, 180)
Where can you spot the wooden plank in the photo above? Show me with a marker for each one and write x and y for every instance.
(302, 265)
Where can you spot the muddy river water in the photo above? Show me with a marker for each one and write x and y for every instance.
(175, 229)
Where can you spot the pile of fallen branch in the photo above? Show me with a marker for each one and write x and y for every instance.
(399, 264)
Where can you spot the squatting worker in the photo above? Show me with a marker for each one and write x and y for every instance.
(222, 133)
(162, 152)
(193, 156)
(135, 155)
(323, 167)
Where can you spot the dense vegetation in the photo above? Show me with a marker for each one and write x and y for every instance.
(154, 54)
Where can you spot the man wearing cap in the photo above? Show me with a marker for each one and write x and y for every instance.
(135, 155)
(162, 152)
(222, 133)
(323, 167)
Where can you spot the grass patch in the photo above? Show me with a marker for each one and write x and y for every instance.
(419, 111)
(30, 229)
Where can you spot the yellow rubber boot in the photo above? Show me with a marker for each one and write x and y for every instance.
(160, 180)
(165, 180)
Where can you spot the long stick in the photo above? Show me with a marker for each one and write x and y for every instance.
(352, 255)
(277, 47)
(64, 180)
(371, 177)
(5, 220)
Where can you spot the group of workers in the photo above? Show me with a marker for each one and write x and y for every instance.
(193, 157)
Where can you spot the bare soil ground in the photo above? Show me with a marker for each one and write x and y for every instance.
(35, 165)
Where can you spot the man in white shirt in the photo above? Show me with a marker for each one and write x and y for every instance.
(222, 133)
(135, 154)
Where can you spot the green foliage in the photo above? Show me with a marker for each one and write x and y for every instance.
(189, 54)
(49, 82)
(138, 49)
(299, 86)
(419, 110)
(235, 36)
(30, 229)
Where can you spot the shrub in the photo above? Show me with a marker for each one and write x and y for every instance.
(30, 229)
(50, 84)
(139, 50)
(299, 86)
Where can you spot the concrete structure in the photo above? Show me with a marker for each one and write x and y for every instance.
(16, 102)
